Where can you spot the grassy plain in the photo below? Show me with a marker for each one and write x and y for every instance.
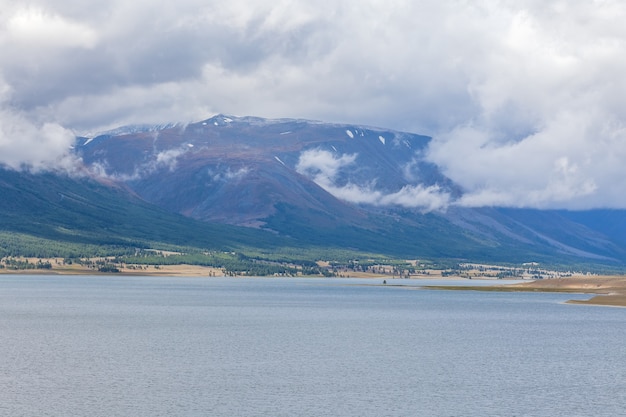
(59, 267)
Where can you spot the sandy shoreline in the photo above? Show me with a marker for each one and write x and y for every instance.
(608, 290)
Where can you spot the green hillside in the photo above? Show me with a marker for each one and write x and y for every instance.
(49, 215)
(82, 211)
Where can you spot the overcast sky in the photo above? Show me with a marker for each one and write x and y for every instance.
(525, 99)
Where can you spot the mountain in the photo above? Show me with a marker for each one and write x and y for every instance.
(334, 185)
(228, 183)
(83, 211)
(235, 170)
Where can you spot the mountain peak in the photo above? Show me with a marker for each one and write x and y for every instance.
(292, 175)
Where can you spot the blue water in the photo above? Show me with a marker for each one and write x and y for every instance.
(121, 346)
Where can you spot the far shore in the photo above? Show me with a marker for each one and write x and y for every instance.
(163, 270)
(607, 290)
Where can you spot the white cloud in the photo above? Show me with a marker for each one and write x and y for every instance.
(236, 175)
(509, 90)
(164, 160)
(35, 27)
(323, 168)
(24, 145)
(417, 196)
(38, 147)
(322, 165)
(169, 158)
(548, 130)
(220, 174)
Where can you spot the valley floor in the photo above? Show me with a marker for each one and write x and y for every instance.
(58, 268)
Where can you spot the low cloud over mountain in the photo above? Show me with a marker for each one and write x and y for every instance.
(298, 182)
(26, 145)
(323, 168)
(524, 100)
(224, 155)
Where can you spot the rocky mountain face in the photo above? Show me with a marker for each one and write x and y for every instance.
(236, 170)
(350, 186)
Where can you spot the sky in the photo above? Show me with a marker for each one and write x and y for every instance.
(525, 100)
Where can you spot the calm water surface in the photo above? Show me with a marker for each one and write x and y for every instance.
(120, 346)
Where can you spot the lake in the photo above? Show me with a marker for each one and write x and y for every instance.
(154, 346)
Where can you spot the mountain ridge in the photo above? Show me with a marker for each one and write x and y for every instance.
(308, 183)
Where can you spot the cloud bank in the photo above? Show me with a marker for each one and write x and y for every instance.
(27, 145)
(548, 130)
(323, 168)
(525, 100)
